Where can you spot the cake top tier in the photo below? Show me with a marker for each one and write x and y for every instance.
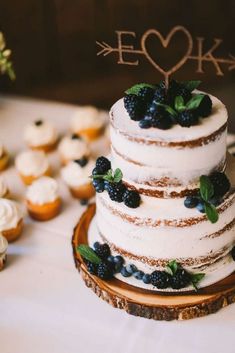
(217, 120)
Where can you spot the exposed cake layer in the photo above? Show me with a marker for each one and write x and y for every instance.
(173, 158)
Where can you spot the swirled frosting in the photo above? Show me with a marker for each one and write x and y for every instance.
(71, 148)
(40, 133)
(74, 175)
(10, 214)
(87, 117)
(3, 188)
(3, 245)
(43, 190)
(33, 163)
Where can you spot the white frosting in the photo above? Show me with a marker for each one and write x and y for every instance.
(33, 163)
(40, 135)
(10, 214)
(43, 190)
(3, 187)
(71, 149)
(150, 161)
(87, 117)
(74, 175)
(3, 245)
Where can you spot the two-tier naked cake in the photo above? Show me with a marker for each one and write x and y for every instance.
(166, 200)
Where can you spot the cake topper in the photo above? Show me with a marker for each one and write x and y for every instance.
(200, 57)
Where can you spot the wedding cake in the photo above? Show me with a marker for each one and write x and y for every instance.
(165, 205)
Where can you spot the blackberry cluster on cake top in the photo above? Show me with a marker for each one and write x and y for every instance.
(160, 107)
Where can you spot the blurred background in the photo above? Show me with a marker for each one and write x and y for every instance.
(54, 46)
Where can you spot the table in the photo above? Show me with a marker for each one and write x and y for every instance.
(44, 304)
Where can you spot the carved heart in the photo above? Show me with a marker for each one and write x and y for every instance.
(165, 43)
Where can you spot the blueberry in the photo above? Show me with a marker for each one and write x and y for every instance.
(99, 186)
(118, 260)
(201, 207)
(138, 274)
(75, 137)
(124, 272)
(117, 267)
(96, 245)
(106, 184)
(110, 258)
(191, 201)
(144, 124)
(83, 202)
(82, 161)
(131, 268)
(146, 278)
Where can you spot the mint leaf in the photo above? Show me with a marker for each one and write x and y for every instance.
(192, 85)
(179, 103)
(136, 88)
(117, 175)
(206, 188)
(172, 267)
(168, 109)
(211, 212)
(195, 101)
(196, 278)
(88, 254)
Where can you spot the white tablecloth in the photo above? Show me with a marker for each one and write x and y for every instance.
(44, 304)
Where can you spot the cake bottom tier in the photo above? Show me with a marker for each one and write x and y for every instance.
(214, 272)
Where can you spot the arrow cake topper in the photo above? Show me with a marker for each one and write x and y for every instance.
(200, 57)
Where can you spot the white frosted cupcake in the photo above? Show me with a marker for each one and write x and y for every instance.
(88, 122)
(43, 200)
(41, 135)
(4, 157)
(31, 165)
(3, 251)
(4, 191)
(73, 147)
(11, 219)
(76, 175)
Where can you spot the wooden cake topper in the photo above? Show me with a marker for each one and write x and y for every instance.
(200, 57)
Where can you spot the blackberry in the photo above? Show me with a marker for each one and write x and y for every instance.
(205, 107)
(103, 251)
(215, 200)
(160, 279)
(160, 95)
(153, 110)
(233, 253)
(82, 161)
(187, 118)
(162, 122)
(184, 93)
(105, 270)
(220, 182)
(191, 201)
(131, 198)
(201, 206)
(102, 165)
(116, 191)
(146, 94)
(144, 124)
(95, 171)
(38, 122)
(180, 279)
(135, 106)
(91, 267)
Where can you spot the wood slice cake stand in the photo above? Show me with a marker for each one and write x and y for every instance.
(149, 304)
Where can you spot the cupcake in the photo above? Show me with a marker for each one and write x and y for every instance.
(3, 251)
(4, 157)
(41, 135)
(73, 147)
(11, 219)
(4, 191)
(76, 175)
(88, 122)
(31, 165)
(42, 197)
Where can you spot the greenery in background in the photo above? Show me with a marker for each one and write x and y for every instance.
(6, 66)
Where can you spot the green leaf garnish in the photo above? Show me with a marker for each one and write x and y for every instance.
(172, 267)
(196, 278)
(179, 103)
(195, 101)
(113, 177)
(206, 188)
(211, 212)
(192, 85)
(117, 175)
(168, 108)
(88, 254)
(136, 88)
